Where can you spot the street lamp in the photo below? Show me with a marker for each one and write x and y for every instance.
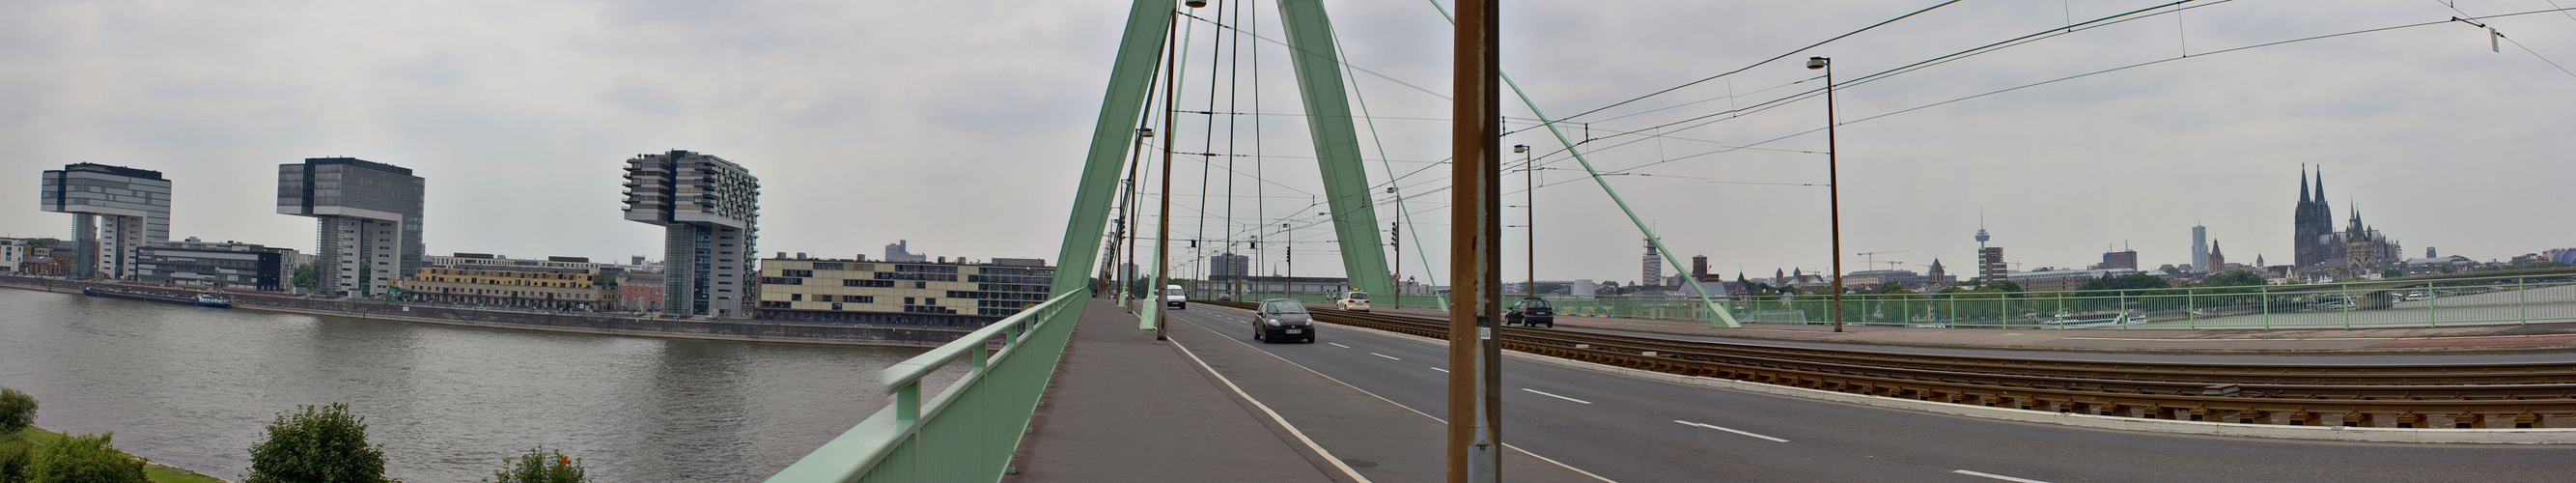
(1833, 185)
(1288, 246)
(1530, 216)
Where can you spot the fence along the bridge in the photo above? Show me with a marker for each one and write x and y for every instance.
(2400, 303)
(968, 431)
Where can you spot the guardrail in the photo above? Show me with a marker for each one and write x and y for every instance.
(2386, 303)
(968, 431)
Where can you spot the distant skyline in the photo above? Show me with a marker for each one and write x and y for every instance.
(961, 129)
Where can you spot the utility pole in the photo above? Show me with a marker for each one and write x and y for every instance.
(1475, 413)
(1530, 190)
(1288, 256)
(1163, 222)
(1833, 184)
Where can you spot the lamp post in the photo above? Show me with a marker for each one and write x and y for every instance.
(1833, 185)
(1288, 246)
(1530, 216)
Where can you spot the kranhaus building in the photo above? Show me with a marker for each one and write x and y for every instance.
(709, 210)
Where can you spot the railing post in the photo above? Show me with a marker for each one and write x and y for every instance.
(2430, 319)
(2266, 294)
(907, 406)
(2348, 302)
(2522, 300)
(2191, 307)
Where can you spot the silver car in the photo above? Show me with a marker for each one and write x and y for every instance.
(1283, 319)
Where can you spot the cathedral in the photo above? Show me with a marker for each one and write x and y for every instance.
(2317, 245)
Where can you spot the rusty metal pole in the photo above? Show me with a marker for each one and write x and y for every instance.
(1833, 185)
(1475, 416)
(1163, 222)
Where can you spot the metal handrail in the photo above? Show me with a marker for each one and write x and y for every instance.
(1002, 385)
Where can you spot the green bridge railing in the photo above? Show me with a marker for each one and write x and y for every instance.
(968, 431)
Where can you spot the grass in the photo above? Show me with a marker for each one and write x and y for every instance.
(157, 474)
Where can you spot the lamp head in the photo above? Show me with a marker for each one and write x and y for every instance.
(1195, 3)
(1145, 132)
(1817, 62)
(1520, 148)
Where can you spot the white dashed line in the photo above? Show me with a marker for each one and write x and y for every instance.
(1338, 345)
(1439, 369)
(1388, 357)
(1737, 431)
(1535, 391)
(1996, 476)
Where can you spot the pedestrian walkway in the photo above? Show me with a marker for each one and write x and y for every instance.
(1125, 407)
(2537, 336)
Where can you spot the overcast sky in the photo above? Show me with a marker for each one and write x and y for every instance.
(960, 125)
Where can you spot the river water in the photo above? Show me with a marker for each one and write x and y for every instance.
(195, 387)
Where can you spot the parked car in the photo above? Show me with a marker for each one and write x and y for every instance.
(1176, 297)
(1531, 311)
(1353, 301)
(1278, 319)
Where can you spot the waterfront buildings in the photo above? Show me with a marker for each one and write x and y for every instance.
(709, 209)
(1653, 273)
(1229, 265)
(13, 251)
(1990, 263)
(2199, 251)
(639, 292)
(115, 211)
(2129, 258)
(1271, 286)
(2061, 280)
(369, 217)
(942, 293)
(900, 251)
(512, 286)
(226, 265)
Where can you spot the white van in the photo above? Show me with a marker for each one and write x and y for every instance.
(1176, 297)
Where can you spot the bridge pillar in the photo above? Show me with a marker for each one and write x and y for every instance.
(1337, 144)
(1131, 79)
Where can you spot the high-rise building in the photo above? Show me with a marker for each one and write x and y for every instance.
(1653, 274)
(1990, 264)
(369, 217)
(1228, 266)
(115, 211)
(2199, 250)
(2120, 259)
(900, 252)
(709, 209)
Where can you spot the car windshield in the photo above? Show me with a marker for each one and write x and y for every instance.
(1285, 307)
(1359, 296)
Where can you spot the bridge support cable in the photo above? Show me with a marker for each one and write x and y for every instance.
(1719, 316)
(1402, 214)
(1337, 152)
(1131, 79)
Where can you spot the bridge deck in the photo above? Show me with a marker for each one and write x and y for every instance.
(2308, 340)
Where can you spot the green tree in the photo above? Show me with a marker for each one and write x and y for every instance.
(537, 467)
(16, 454)
(306, 275)
(84, 459)
(2233, 279)
(17, 411)
(2392, 273)
(317, 444)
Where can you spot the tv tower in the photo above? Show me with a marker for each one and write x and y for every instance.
(1981, 229)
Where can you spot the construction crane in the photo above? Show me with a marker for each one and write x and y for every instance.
(1872, 257)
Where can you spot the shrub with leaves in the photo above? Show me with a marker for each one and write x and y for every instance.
(318, 444)
(537, 467)
(85, 459)
(17, 412)
(16, 455)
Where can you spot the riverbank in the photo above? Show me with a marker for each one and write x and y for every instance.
(575, 322)
(154, 470)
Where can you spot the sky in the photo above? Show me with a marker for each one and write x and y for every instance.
(961, 127)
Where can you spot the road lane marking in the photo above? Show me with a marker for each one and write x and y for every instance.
(1551, 395)
(1737, 431)
(1274, 415)
(1337, 344)
(1996, 476)
(1439, 369)
(1388, 357)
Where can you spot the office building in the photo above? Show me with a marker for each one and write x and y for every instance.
(900, 252)
(945, 293)
(1229, 265)
(2199, 250)
(369, 217)
(1653, 273)
(1990, 264)
(13, 251)
(512, 286)
(226, 265)
(115, 211)
(709, 209)
(2129, 259)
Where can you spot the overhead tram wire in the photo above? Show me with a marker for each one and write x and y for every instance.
(2517, 43)
(2116, 69)
(1345, 62)
(1755, 64)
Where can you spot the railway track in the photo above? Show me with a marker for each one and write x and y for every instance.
(2527, 395)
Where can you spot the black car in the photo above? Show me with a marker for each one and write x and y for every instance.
(1531, 311)
(1282, 319)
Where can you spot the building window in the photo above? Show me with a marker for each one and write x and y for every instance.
(796, 297)
(921, 285)
(907, 300)
(836, 306)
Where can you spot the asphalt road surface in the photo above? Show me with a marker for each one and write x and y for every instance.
(1636, 430)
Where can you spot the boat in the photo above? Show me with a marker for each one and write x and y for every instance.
(201, 299)
(212, 300)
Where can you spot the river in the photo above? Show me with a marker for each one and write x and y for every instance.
(195, 387)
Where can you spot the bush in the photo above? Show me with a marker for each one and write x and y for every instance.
(320, 444)
(535, 467)
(17, 412)
(16, 454)
(85, 459)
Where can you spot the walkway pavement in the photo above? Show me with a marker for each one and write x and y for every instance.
(2549, 336)
(1125, 407)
